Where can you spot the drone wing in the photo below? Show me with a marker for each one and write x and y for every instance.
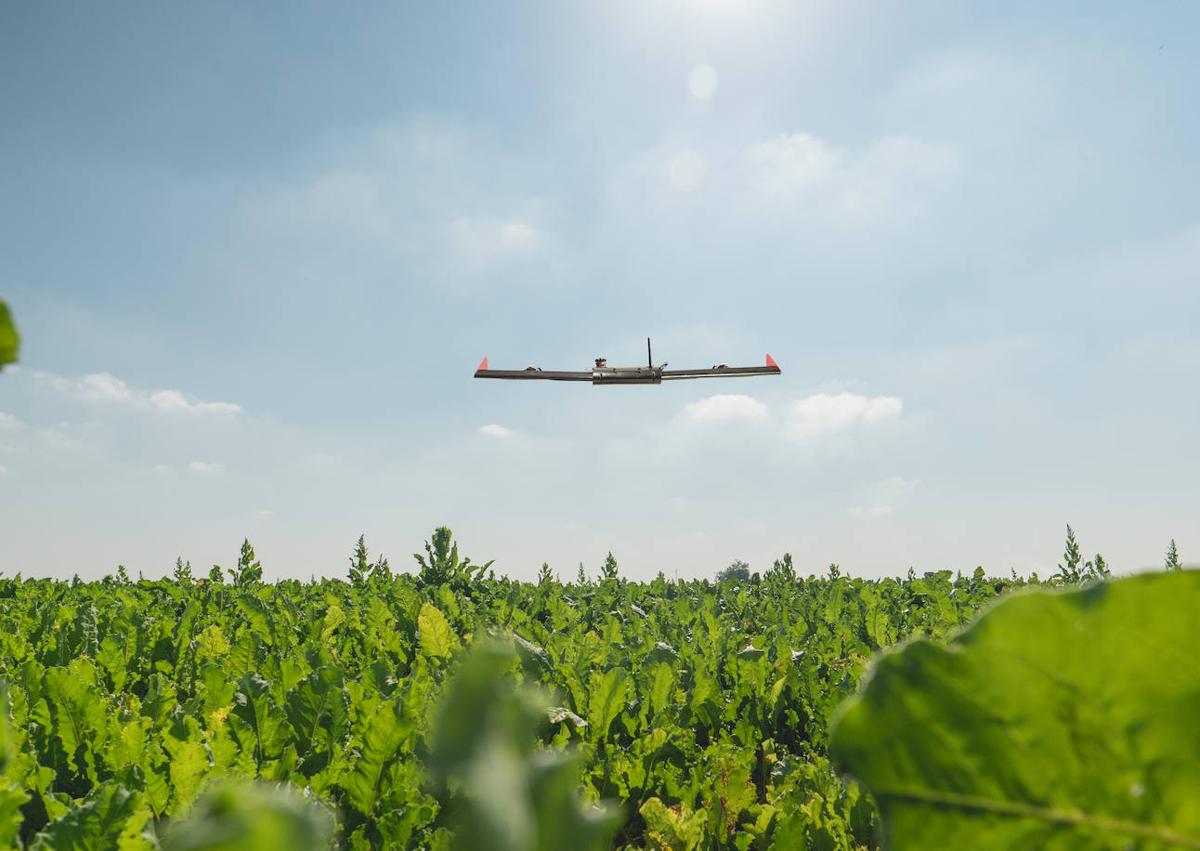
(771, 368)
(530, 374)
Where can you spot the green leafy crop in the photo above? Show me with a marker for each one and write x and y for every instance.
(453, 709)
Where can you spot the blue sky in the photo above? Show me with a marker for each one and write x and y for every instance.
(256, 252)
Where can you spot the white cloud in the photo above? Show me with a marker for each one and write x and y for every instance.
(3, 470)
(496, 431)
(163, 469)
(824, 414)
(203, 468)
(264, 513)
(490, 239)
(793, 161)
(814, 419)
(702, 82)
(725, 407)
(104, 387)
(174, 401)
(685, 170)
(8, 422)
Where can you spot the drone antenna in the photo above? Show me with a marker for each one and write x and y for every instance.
(649, 358)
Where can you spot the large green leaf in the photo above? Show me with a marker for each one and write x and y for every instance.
(10, 340)
(434, 632)
(253, 705)
(315, 709)
(188, 762)
(607, 699)
(384, 733)
(1068, 720)
(78, 711)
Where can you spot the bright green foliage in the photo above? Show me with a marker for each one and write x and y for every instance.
(10, 340)
(1057, 720)
(252, 817)
(712, 699)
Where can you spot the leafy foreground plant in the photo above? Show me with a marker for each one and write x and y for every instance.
(1068, 720)
(10, 340)
(248, 817)
(510, 794)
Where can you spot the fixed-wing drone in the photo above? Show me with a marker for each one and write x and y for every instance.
(602, 373)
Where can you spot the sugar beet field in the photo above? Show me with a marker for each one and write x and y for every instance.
(450, 708)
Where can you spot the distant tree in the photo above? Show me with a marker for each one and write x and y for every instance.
(183, 571)
(738, 571)
(545, 575)
(581, 576)
(609, 569)
(1173, 564)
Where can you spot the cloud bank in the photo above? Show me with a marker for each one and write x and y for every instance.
(106, 388)
(808, 420)
(824, 414)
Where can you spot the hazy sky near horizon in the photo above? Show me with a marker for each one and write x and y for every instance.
(256, 251)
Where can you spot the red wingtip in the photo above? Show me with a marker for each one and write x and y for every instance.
(482, 365)
(771, 362)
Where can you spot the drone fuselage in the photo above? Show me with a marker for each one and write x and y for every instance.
(627, 375)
